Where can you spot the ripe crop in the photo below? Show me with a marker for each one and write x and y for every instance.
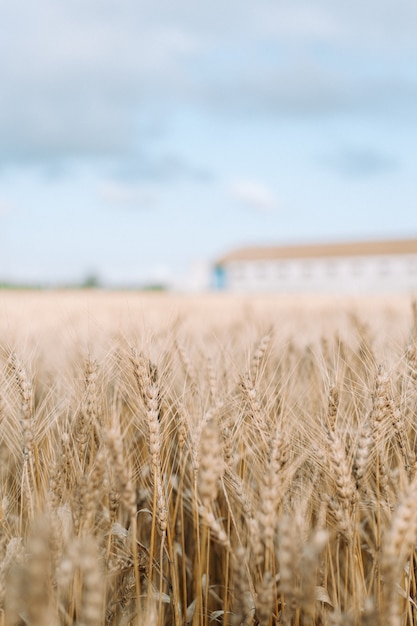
(222, 460)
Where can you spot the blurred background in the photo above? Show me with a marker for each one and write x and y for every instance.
(140, 141)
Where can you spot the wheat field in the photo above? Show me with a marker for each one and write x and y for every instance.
(207, 460)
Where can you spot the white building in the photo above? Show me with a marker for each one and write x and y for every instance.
(361, 267)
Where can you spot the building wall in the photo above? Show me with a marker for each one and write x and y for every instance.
(366, 274)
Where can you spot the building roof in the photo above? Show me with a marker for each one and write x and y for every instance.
(361, 248)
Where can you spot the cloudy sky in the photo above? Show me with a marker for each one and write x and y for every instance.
(141, 139)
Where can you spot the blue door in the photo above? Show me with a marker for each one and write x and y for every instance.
(219, 277)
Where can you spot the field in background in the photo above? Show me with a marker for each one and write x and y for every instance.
(169, 459)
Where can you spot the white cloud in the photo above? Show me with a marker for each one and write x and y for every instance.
(124, 195)
(76, 76)
(253, 194)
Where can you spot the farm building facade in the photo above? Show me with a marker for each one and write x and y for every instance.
(362, 267)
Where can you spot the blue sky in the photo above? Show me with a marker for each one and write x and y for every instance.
(139, 139)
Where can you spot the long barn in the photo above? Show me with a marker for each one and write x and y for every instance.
(388, 266)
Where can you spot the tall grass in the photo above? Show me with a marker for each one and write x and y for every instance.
(254, 467)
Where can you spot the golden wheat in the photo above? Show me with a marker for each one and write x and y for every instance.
(207, 461)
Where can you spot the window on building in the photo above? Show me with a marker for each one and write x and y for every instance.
(331, 268)
(281, 270)
(307, 269)
(261, 270)
(412, 267)
(384, 267)
(237, 271)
